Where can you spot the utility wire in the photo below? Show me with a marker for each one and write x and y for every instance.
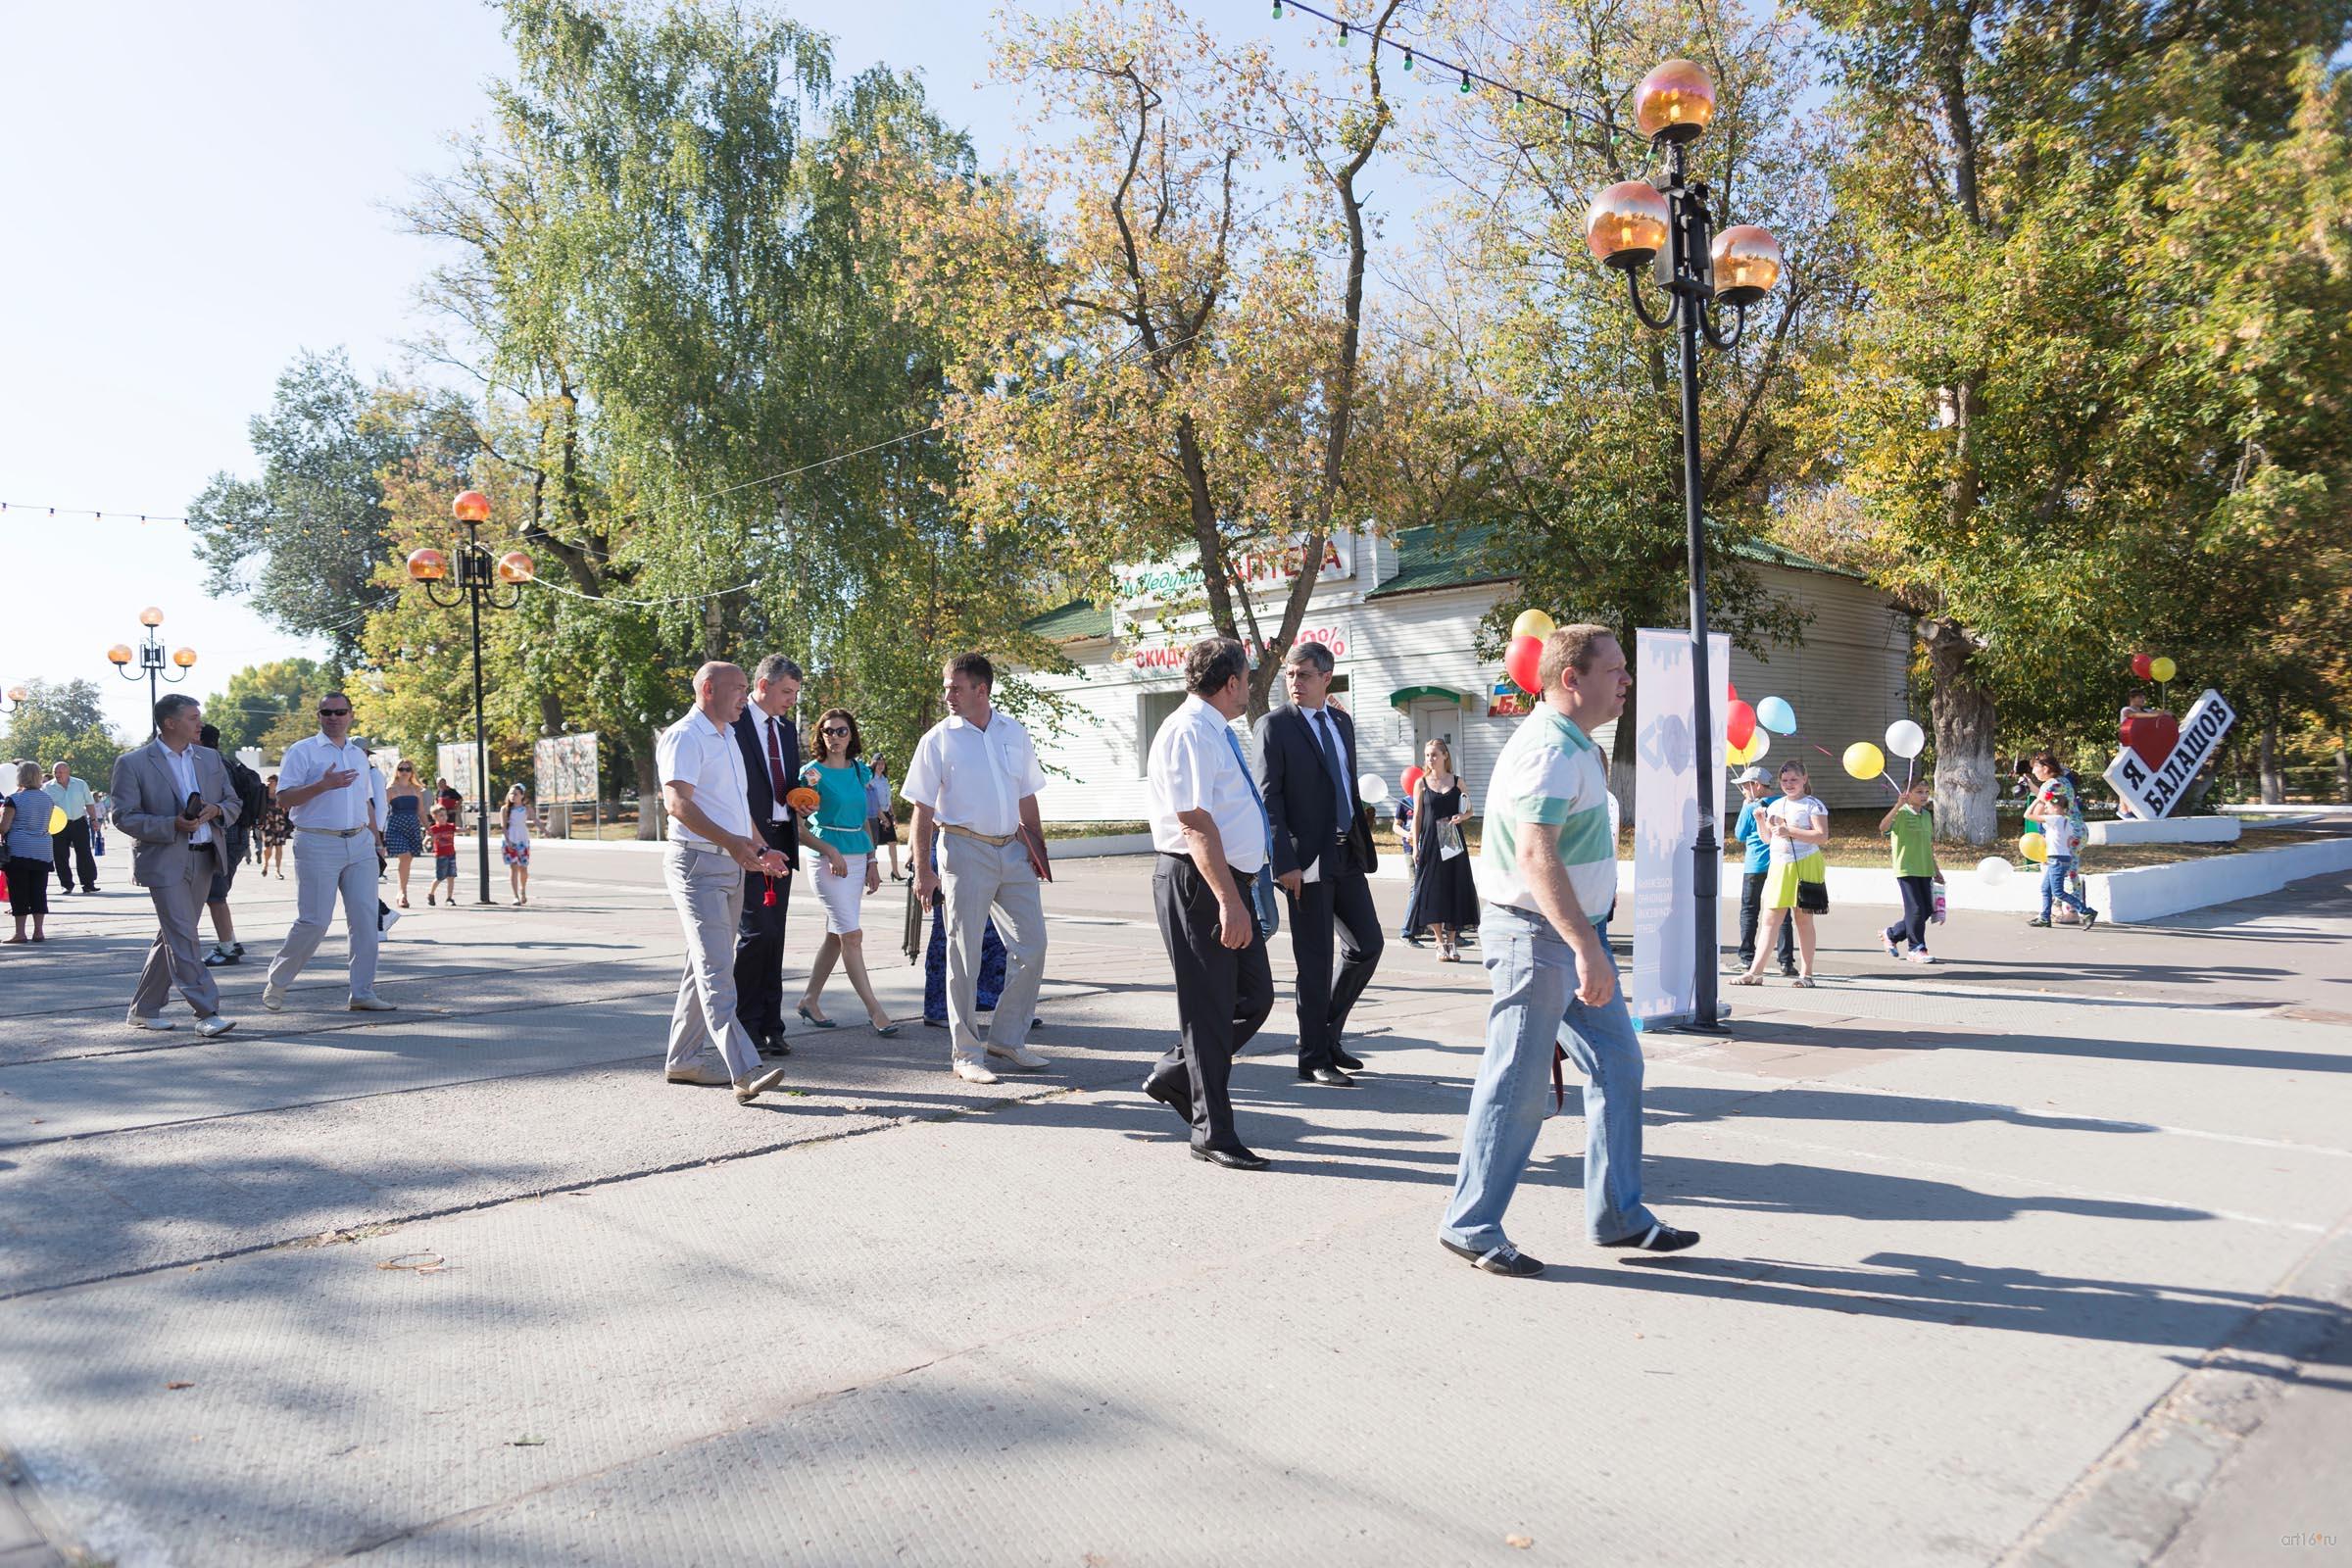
(1469, 78)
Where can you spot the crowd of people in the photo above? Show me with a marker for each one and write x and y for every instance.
(1239, 846)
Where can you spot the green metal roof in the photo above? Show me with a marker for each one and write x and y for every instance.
(1429, 558)
(1076, 621)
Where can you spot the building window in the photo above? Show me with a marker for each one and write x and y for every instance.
(1153, 710)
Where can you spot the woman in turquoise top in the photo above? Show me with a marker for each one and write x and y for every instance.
(845, 871)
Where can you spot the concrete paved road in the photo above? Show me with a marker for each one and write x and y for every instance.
(2041, 1255)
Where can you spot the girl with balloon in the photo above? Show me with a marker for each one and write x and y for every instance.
(1798, 885)
(2056, 808)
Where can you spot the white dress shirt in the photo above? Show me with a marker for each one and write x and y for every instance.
(1195, 766)
(771, 729)
(182, 763)
(704, 756)
(974, 778)
(311, 758)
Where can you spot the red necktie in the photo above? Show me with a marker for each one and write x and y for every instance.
(775, 765)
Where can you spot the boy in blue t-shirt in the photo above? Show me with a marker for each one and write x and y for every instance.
(1755, 786)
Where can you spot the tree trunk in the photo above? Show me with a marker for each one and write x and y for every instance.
(2273, 787)
(1621, 759)
(648, 793)
(2344, 775)
(1963, 715)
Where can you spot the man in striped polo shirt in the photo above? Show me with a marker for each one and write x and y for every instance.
(1548, 874)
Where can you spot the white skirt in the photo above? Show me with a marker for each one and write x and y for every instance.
(843, 897)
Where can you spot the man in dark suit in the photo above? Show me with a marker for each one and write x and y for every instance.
(1306, 770)
(771, 767)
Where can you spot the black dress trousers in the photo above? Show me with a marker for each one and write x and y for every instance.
(1223, 995)
(759, 942)
(1332, 905)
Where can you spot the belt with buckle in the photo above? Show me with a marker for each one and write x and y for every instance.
(1000, 840)
(332, 832)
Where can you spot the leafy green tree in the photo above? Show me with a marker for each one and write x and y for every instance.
(2097, 371)
(260, 699)
(63, 721)
(302, 540)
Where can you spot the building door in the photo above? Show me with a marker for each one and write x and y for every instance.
(1440, 719)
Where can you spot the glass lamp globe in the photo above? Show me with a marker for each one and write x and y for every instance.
(151, 616)
(120, 654)
(1747, 264)
(184, 658)
(428, 564)
(1626, 225)
(16, 693)
(517, 566)
(1674, 102)
(472, 506)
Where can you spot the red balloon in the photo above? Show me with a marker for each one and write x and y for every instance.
(1520, 661)
(1412, 776)
(1734, 690)
(2143, 666)
(1739, 724)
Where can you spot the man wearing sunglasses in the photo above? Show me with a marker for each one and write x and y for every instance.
(327, 788)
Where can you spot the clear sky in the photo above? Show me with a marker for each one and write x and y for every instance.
(194, 193)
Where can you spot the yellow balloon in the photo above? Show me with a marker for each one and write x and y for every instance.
(57, 820)
(2034, 847)
(2163, 669)
(1532, 623)
(1865, 760)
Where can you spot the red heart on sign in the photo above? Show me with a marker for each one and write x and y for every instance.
(2153, 736)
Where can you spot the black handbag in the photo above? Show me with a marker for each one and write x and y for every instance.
(1813, 896)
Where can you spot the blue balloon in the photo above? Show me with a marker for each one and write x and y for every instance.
(1775, 715)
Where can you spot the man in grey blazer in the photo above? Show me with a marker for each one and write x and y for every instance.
(174, 800)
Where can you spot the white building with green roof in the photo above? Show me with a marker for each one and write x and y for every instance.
(1401, 615)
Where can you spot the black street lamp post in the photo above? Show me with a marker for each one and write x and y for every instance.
(480, 577)
(150, 656)
(1631, 224)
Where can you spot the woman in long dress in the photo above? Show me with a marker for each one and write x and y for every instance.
(1444, 896)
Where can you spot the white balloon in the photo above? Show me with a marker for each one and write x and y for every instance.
(1905, 739)
(1994, 870)
(1373, 788)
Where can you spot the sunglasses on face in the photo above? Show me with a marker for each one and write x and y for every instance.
(837, 730)
(334, 713)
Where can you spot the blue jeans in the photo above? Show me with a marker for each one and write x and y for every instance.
(2054, 872)
(1534, 979)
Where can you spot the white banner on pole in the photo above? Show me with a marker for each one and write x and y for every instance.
(565, 767)
(456, 767)
(1666, 760)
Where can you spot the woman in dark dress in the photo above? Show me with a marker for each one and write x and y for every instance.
(1443, 895)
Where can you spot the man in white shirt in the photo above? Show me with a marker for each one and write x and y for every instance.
(711, 847)
(1210, 829)
(975, 776)
(327, 788)
(176, 853)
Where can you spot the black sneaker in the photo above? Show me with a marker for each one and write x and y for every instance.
(1657, 1238)
(2091, 918)
(2039, 921)
(1506, 1259)
(219, 957)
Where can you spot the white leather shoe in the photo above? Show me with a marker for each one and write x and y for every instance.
(758, 1084)
(971, 1072)
(371, 1005)
(274, 997)
(1020, 1057)
(159, 1024)
(704, 1071)
(216, 1026)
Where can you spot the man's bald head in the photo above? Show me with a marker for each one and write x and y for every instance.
(718, 690)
